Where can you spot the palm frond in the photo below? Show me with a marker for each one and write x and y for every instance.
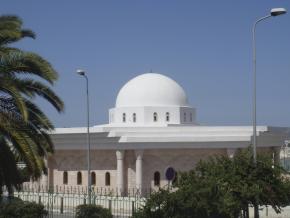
(20, 62)
(24, 127)
(6, 86)
(31, 88)
(11, 30)
(9, 174)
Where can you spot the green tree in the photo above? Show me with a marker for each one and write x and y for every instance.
(24, 127)
(222, 187)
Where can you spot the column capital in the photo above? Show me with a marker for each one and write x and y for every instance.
(231, 152)
(120, 154)
(139, 154)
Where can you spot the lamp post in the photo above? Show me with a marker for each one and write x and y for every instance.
(273, 13)
(82, 73)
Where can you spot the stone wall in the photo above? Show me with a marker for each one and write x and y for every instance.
(179, 159)
(103, 161)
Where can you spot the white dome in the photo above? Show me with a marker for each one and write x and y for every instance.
(151, 89)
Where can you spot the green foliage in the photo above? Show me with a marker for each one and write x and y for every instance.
(222, 187)
(92, 211)
(24, 127)
(24, 174)
(16, 208)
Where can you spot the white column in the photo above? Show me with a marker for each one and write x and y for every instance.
(139, 172)
(120, 171)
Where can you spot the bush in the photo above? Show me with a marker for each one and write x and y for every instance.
(16, 208)
(92, 211)
(222, 187)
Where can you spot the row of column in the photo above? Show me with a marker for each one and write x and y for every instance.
(120, 170)
(139, 169)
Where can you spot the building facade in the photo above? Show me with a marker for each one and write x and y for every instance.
(151, 128)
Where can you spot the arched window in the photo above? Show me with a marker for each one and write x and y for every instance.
(65, 178)
(167, 117)
(157, 178)
(155, 118)
(79, 178)
(184, 117)
(124, 117)
(107, 179)
(190, 117)
(134, 117)
(93, 178)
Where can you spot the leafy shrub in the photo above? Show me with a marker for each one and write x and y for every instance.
(222, 187)
(92, 211)
(16, 208)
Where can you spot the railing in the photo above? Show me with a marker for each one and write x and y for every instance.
(98, 191)
(62, 201)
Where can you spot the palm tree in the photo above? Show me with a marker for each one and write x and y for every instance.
(24, 128)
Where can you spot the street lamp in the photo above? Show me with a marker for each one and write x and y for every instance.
(82, 73)
(273, 13)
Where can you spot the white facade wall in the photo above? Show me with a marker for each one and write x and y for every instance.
(145, 115)
(116, 115)
(187, 115)
(161, 115)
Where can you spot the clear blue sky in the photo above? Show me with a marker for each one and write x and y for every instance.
(204, 45)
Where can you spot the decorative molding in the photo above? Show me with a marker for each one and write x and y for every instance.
(120, 154)
(139, 154)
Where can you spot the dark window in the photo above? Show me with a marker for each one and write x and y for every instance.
(107, 179)
(134, 118)
(155, 118)
(157, 178)
(167, 117)
(124, 117)
(79, 178)
(65, 178)
(93, 178)
(184, 117)
(190, 117)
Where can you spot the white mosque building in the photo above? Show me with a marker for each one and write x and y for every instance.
(151, 128)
